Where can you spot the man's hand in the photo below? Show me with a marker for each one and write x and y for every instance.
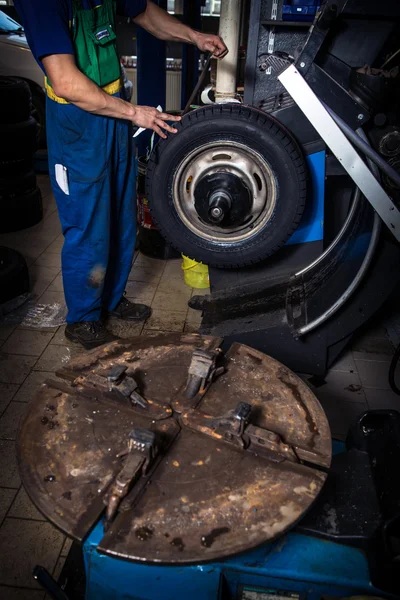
(211, 43)
(164, 26)
(150, 118)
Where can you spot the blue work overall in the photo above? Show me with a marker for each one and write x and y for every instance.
(93, 176)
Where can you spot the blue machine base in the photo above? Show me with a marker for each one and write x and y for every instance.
(296, 566)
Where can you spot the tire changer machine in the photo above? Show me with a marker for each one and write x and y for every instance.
(184, 469)
(303, 304)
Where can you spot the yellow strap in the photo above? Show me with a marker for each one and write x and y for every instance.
(110, 88)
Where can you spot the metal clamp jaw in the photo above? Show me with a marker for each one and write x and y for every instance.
(141, 451)
(118, 381)
(202, 371)
(234, 428)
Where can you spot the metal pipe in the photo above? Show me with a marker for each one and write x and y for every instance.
(364, 147)
(376, 230)
(353, 208)
(229, 29)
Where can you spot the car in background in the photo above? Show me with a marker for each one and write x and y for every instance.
(16, 60)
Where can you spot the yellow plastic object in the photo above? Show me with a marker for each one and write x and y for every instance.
(195, 273)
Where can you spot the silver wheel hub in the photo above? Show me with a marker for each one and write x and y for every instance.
(231, 158)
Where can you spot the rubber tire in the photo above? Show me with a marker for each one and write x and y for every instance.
(39, 114)
(14, 275)
(16, 186)
(15, 100)
(15, 168)
(21, 212)
(262, 133)
(20, 140)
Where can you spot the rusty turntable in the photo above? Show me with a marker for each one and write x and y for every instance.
(172, 453)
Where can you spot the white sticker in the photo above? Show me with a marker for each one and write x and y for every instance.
(62, 178)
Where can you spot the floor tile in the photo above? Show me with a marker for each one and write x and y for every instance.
(341, 415)
(57, 284)
(32, 384)
(49, 208)
(6, 499)
(23, 508)
(12, 593)
(51, 297)
(193, 316)
(59, 567)
(36, 541)
(164, 320)
(173, 270)
(375, 347)
(139, 291)
(124, 329)
(150, 274)
(145, 261)
(14, 368)
(201, 292)
(41, 277)
(7, 391)
(9, 474)
(55, 357)
(380, 399)
(345, 363)
(59, 337)
(174, 285)
(374, 374)
(372, 356)
(10, 420)
(53, 221)
(341, 386)
(49, 259)
(6, 331)
(193, 321)
(66, 547)
(191, 327)
(176, 302)
(27, 342)
(57, 245)
(44, 183)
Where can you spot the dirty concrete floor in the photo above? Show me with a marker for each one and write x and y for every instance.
(29, 355)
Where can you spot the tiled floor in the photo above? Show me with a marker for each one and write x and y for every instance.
(29, 355)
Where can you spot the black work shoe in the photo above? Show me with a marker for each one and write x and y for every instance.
(129, 311)
(89, 333)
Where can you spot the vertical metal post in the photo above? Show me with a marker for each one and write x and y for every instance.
(229, 29)
(151, 74)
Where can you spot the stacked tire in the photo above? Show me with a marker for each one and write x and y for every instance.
(20, 198)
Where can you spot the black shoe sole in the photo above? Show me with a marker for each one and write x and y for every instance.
(144, 317)
(87, 345)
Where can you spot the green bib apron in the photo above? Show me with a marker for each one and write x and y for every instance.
(94, 39)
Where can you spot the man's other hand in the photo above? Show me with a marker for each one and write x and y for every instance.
(150, 118)
(211, 43)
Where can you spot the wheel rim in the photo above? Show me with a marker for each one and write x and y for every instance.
(235, 159)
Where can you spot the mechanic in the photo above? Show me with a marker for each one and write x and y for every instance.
(90, 147)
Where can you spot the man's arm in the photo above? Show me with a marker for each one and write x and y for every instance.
(68, 82)
(162, 25)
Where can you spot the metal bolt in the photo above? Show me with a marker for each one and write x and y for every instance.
(360, 117)
(216, 212)
(302, 64)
